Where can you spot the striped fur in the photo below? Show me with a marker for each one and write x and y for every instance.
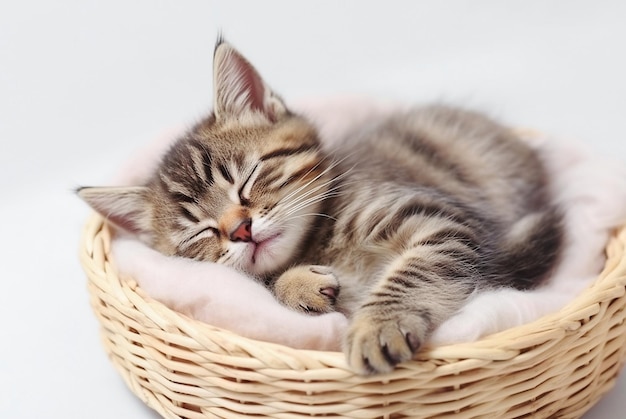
(396, 226)
(442, 203)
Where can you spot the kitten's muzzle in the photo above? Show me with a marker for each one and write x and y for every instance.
(243, 232)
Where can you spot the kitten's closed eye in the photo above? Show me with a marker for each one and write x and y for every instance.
(246, 187)
(205, 232)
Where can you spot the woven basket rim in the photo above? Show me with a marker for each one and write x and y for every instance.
(499, 346)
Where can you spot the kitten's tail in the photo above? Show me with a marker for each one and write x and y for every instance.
(532, 248)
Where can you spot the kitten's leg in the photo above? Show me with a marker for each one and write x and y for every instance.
(308, 288)
(417, 292)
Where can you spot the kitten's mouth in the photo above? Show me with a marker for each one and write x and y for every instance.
(261, 247)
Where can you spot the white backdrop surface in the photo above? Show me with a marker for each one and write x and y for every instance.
(83, 83)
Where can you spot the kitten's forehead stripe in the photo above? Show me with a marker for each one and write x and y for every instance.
(181, 197)
(180, 170)
(176, 190)
(226, 173)
(239, 159)
(189, 191)
(289, 151)
(205, 155)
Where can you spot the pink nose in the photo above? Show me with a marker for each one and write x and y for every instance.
(243, 232)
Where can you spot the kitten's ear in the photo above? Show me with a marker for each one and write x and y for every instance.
(126, 207)
(238, 88)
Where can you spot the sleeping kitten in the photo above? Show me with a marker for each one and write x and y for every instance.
(396, 226)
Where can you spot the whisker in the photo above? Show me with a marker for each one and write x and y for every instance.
(314, 190)
(305, 196)
(310, 201)
(331, 166)
(310, 214)
(286, 210)
(300, 188)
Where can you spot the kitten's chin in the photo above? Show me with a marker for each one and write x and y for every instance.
(268, 255)
(272, 253)
(274, 246)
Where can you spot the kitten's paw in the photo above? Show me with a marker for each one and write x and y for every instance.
(309, 289)
(374, 345)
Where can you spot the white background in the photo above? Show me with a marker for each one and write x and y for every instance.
(84, 83)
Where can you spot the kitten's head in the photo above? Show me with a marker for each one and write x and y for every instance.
(240, 188)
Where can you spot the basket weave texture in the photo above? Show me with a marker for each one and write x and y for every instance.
(557, 366)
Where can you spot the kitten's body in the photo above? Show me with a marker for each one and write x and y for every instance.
(438, 174)
(408, 217)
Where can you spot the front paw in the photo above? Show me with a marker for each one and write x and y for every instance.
(309, 289)
(376, 343)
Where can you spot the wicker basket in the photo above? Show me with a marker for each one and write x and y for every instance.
(557, 366)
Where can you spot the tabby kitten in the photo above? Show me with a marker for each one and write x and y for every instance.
(396, 226)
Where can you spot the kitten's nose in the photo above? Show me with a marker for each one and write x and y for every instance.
(243, 232)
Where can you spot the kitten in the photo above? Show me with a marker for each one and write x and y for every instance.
(396, 226)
